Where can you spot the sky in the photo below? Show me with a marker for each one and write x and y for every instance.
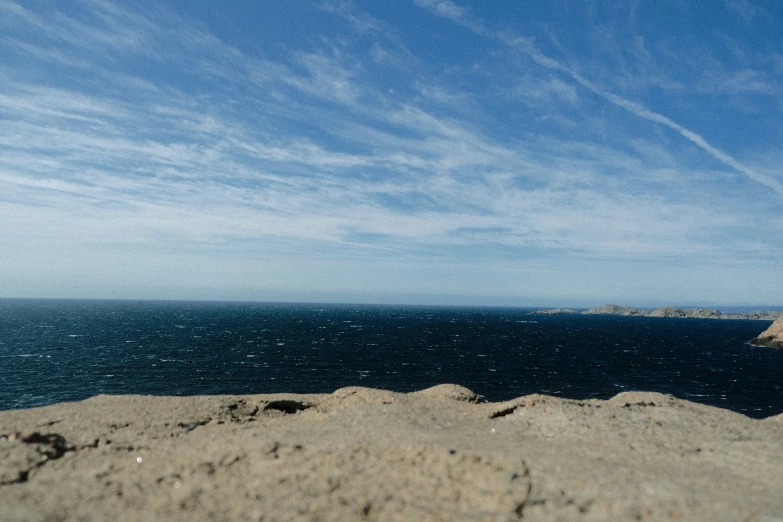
(541, 153)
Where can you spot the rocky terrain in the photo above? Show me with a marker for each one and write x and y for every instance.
(365, 454)
(612, 309)
(772, 336)
(755, 316)
(666, 311)
(697, 313)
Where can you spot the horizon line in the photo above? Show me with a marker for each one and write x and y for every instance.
(434, 303)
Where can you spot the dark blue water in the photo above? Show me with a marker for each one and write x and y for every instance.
(52, 351)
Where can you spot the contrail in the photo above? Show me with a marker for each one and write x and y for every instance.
(457, 14)
(645, 113)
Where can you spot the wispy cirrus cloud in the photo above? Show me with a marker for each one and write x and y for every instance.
(742, 80)
(157, 135)
(745, 9)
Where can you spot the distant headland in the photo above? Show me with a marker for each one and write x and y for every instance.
(667, 311)
(772, 336)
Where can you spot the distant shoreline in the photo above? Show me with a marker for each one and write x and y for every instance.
(755, 313)
(665, 311)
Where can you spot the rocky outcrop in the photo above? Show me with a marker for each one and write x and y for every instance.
(611, 309)
(703, 313)
(695, 313)
(365, 454)
(772, 336)
(753, 316)
(668, 311)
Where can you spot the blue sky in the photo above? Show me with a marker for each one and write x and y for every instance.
(509, 153)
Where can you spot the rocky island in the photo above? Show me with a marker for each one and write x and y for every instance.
(696, 313)
(772, 336)
(665, 311)
(366, 454)
(611, 309)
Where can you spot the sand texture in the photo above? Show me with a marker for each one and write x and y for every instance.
(364, 454)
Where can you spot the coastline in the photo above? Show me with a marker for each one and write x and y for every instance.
(367, 454)
(665, 311)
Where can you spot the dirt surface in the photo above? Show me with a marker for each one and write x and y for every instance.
(364, 454)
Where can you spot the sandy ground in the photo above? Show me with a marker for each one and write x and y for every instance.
(363, 454)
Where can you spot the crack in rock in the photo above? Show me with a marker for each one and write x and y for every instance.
(25, 453)
(287, 406)
(505, 411)
(190, 426)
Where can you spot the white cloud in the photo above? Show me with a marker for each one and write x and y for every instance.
(527, 46)
(745, 9)
(311, 156)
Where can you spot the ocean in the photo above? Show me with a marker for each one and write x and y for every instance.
(65, 350)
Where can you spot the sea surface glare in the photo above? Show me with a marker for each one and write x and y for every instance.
(58, 350)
